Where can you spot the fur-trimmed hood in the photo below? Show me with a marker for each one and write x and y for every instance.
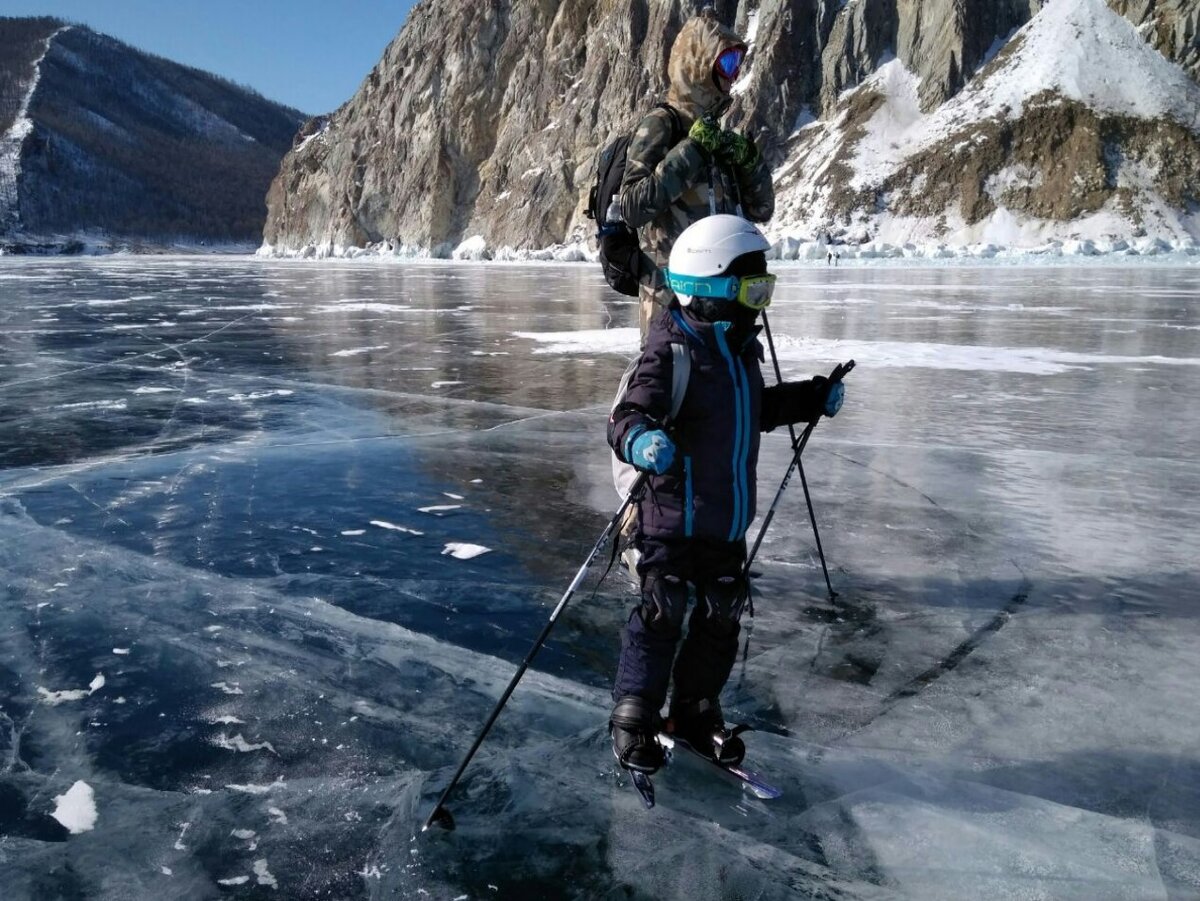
(690, 69)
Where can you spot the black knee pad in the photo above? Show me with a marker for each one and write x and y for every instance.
(722, 599)
(664, 602)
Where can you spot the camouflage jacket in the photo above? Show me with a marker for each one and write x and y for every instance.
(668, 178)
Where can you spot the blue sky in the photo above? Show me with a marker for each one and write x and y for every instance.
(310, 54)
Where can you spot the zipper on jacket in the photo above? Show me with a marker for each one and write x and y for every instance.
(744, 464)
(740, 414)
(689, 501)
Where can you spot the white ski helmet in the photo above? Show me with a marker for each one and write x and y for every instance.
(706, 249)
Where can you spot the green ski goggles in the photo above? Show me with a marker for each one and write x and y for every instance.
(753, 291)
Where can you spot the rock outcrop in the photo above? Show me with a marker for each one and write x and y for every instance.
(101, 143)
(483, 119)
(1171, 26)
(1042, 135)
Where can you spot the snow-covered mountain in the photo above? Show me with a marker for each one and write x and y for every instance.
(957, 121)
(101, 143)
(1077, 129)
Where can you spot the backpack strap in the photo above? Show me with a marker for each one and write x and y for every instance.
(681, 371)
(677, 130)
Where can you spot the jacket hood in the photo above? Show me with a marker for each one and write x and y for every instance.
(690, 69)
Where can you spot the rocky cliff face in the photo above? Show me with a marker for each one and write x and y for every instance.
(101, 141)
(1171, 26)
(484, 118)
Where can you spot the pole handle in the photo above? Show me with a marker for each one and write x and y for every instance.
(841, 370)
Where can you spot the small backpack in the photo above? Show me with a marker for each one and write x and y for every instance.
(621, 256)
(624, 473)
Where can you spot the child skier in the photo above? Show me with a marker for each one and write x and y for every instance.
(699, 501)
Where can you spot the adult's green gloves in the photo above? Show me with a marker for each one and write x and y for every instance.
(729, 147)
(738, 150)
(707, 133)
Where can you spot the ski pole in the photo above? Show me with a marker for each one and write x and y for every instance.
(798, 446)
(441, 815)
(838, 373)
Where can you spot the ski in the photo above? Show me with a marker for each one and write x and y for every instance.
(644, 786)
(749, 780)
(739, 775)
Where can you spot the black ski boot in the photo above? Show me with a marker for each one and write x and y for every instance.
(634, 726)
(701, 725)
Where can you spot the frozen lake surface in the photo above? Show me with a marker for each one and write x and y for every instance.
(273, 537)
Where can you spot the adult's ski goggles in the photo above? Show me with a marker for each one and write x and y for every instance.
(729, 63)
(753, 291)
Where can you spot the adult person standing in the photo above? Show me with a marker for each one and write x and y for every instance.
(681, 165)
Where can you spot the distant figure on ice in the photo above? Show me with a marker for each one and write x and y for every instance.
(699, 502)
(681, 165)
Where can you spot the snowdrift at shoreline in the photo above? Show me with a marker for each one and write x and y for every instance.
(787, 248)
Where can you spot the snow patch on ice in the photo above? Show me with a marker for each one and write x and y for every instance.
(95, 405)
(464, 551)
(239, 744)
(252, 789)
(356, 351)
(361, 308)
(54, 698)
(262, 395)
(76, 808)
(264, 875)
(893, 354)
(615, 340)
(382, 524)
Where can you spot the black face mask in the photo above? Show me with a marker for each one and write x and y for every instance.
(708, 309)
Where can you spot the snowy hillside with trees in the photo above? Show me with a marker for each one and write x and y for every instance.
(102, 144)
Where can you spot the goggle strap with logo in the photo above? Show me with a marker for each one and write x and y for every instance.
(753, 292)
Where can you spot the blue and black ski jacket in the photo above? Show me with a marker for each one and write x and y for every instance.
(710, 490)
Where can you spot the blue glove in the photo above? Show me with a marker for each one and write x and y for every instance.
(652, 452)
(834, 397)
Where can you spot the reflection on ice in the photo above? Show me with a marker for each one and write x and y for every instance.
(263, 583)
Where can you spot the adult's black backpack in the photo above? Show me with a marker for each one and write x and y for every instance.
(621, 258)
